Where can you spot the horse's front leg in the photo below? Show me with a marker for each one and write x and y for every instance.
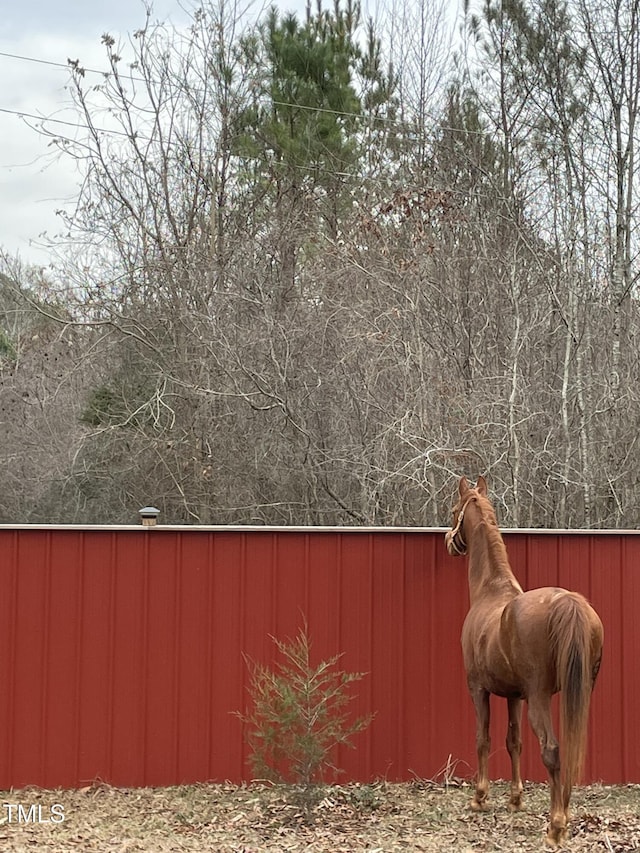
(483, 743)
(514, 748)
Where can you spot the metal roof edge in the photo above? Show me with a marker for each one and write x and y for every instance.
(257, 528)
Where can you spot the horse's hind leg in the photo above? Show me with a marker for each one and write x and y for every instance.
(483, 743)
(540, 719)
(514, 748)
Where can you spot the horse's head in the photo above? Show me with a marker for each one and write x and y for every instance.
(455, 539)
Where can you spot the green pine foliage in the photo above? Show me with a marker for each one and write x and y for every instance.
(299, 715)
(306, 108)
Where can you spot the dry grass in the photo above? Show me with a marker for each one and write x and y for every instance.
(379, 818)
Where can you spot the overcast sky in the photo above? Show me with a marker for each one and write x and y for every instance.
(33, 184)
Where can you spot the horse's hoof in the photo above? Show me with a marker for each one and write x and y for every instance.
(515, 806)
(555, 837)
(478, 806)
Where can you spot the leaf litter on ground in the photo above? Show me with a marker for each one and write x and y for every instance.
(422, 816)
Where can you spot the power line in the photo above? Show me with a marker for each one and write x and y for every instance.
(77, 125)
(35, 59)
(317, 109)
(69, 67)
(66, 66)
(321, 169)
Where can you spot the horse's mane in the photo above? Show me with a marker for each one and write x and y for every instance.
(495, 543)
(486, 510)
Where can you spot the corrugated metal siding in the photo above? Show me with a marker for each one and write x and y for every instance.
(123, 652)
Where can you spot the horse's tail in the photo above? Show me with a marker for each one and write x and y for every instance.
(571, 625)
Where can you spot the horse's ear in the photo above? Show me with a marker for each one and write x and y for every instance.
(463, 486)
(481, 485)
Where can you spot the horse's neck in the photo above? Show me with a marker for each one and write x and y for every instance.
(489, 570)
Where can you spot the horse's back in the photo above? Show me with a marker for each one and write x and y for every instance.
(532, 610)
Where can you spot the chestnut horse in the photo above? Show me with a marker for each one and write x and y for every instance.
(524, 645)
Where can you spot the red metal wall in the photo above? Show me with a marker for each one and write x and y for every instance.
(121, 651)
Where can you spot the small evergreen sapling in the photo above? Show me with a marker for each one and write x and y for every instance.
(299, 715)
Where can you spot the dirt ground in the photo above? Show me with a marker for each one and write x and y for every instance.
(378, 818)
